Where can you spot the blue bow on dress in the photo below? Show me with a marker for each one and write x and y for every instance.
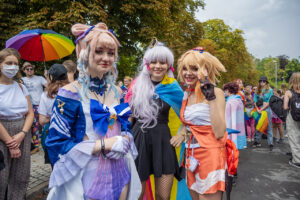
(104, 118)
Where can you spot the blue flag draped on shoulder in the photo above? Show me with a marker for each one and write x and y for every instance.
(170, 91)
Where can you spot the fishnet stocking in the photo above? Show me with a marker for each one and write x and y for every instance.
(163, 186)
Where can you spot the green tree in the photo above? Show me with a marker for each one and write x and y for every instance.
(292, 66)
(135, 22)
(229, 47)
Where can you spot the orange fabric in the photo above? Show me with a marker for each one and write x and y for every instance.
(232, 157)
(209, 160)
(211, 156)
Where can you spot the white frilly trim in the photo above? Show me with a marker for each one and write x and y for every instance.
(74, 189)
(135, 186)
(70, 164)
(202, 185)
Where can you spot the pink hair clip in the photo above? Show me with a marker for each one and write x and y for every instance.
(172, 68)
(147, 64)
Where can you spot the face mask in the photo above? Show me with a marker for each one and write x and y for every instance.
(10, 70)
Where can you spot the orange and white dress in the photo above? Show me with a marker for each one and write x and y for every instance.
(209, 175)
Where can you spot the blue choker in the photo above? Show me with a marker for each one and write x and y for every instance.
(98, 85)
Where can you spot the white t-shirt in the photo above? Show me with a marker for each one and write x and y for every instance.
(46, 104)
(13, 102)
(34, 86)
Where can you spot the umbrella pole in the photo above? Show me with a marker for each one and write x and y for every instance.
(45, 68)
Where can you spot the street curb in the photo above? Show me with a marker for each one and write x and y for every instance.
(32, 193)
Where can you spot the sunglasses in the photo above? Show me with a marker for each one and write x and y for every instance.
(262, 81)
(29, 69)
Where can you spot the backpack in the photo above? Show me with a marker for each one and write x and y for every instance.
(276, 104)
(295, 106)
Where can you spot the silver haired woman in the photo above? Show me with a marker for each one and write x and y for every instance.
(152, 96)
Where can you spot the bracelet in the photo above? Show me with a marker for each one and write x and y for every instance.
(103, 147)
(25, 132)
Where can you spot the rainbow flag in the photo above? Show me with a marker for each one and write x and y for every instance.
(261, 120)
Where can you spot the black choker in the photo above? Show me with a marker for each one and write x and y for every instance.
(98, 85)
(155, 82)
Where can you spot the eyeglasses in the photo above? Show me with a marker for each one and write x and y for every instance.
(262, 81)
(29, 69)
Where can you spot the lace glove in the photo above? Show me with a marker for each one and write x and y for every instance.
(207, 89)
(133, 149)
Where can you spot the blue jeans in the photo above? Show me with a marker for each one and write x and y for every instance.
(269, 131)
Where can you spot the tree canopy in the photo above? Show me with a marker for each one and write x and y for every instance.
(135, 22)
(229, 47)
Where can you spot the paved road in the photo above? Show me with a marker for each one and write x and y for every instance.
(265, 175)
(262, 175)
(39, 176)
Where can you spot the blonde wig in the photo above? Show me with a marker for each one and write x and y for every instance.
(202, 60)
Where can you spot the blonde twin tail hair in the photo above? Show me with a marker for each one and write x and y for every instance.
(205, 60)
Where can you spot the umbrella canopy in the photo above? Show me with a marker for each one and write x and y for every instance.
(41, 45)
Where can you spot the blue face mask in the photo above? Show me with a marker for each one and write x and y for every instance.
(10, 70)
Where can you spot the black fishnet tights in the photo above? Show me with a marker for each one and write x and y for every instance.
(163, 186)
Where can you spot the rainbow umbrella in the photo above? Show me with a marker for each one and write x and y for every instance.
(41, 45)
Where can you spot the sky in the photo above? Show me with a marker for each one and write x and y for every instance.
(271, 27)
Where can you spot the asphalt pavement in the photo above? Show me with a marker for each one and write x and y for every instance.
(266, 175)
(262, 175)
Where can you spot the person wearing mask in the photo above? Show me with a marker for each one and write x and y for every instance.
(58, 78)
(16, 117)
(292, 102)
(34, 85)
(72, 70)
(261, 99)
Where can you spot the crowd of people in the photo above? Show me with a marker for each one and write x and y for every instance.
(107, 140)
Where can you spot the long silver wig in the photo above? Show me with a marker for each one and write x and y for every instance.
(143, 106)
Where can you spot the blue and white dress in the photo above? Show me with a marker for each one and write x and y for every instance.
(78, 173)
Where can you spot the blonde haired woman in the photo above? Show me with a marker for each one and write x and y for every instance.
(203, 114)
(291, 100)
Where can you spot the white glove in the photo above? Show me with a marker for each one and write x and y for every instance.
(133, 149)
(121, 145)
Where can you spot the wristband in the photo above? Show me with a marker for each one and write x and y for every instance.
(103, 148)
(25, 132)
